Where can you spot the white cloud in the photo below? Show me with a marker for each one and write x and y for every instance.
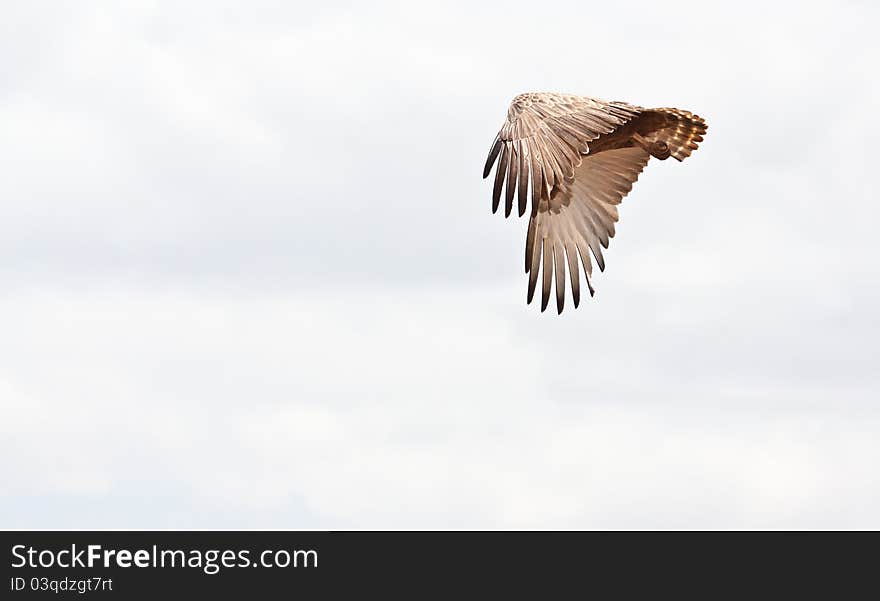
(250, 272)
(418, 408)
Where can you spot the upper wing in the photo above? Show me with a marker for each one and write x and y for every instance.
(579, 215)
(544, 138)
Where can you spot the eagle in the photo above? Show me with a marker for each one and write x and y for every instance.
(577, 157)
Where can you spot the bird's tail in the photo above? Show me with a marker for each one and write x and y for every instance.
(682, 132)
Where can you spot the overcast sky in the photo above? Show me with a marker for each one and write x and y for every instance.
(250, 277)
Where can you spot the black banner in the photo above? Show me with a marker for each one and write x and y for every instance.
(150, 565)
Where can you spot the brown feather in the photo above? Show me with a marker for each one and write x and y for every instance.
(582, 156)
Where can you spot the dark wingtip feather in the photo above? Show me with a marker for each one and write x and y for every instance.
(500, 174)
(522, 190)
(600, 260)
(530, 243)
(533, 282)
(493, 154)
(510, 188)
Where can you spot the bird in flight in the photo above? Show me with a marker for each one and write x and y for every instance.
(577, 157)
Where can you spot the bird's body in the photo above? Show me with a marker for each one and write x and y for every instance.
(577, 157)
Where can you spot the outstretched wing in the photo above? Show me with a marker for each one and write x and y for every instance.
(578, 218)
(544, 140)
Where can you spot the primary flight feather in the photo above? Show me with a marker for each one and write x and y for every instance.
(576, 158)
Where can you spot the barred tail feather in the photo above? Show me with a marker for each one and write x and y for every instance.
(683, 132)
